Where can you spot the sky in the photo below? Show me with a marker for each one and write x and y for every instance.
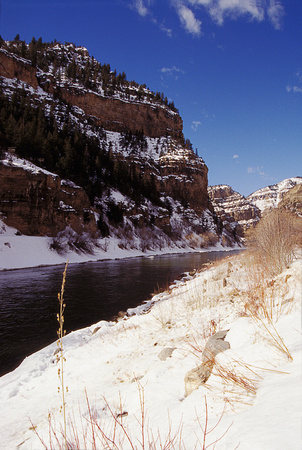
(232, 67)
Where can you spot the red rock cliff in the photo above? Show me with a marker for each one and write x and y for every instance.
(113, 114)
(39, 203)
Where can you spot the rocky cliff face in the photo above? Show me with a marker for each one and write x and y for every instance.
(174, 203)
(235, 211)
(39, 203)
(12, 67)
(117, 115)
(270, 196)
(111, 113)
(292, 200)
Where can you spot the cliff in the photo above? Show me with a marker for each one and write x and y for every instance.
(39, 203)
(235, 211)
(270, 196)
(140, 180)
(292, 200)
(13, 67)
(110, 112)
(117, 115)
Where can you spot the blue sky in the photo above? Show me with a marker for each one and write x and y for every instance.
(232, 67)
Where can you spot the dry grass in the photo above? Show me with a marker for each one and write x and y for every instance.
(60, 356)
(95, 433)
(274, 240)
(234, 381)
(262, 300)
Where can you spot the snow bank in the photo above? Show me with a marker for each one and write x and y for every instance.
(19, 251)
(117, 365)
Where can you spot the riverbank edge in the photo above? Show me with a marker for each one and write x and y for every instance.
(23, 252)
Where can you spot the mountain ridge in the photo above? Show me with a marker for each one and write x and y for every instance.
(161, 183)
(270, 196)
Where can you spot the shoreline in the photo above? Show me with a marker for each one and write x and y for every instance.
(158, 349)
(25, 252)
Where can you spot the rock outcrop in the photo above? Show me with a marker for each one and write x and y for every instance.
(111, 113)
(292, 200)
(117, 115)
(39, 203)
(14, 67)
(269, 197)
(235, 211)
(144, 180)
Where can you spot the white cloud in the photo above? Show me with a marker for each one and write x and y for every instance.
(255, 9)
(297, 88)
(172, 72)
(139, 6)
(166, 30)
(195, 125)
(259, 170)
(187, 18)
(294, 89)
(275, 13)
(219, 10)
(235, 156)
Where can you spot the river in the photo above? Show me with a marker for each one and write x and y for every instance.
(94, 291)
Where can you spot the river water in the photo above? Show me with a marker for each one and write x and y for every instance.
(94, 291)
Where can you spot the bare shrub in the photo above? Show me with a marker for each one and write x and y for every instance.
(274, 239)
(210, 239)
(71, 240)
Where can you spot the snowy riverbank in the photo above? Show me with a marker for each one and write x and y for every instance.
(133, 372)
(20, 251)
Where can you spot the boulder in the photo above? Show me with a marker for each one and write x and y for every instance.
(200, 374)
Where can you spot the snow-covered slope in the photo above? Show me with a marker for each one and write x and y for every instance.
(126, 380)
(270, 196)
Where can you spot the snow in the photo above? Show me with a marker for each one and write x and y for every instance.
(270, 196)
(14, 161)
(20, 251)
(117, 366)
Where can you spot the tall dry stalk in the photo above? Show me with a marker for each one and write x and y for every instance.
(60, 356)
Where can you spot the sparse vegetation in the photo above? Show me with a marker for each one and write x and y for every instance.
(274, 241)
(69, 240)
(62, 389)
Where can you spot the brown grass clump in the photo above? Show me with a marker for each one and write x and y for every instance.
(274, 240)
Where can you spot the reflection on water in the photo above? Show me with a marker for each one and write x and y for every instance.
(94, 291)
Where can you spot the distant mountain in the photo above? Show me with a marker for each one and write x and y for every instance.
(76, 119)
(270, 196)
(235, 211)
(238, 213)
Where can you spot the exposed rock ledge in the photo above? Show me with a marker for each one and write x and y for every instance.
(39, 203)
(236, 213)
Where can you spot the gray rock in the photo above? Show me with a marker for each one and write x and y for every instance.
(166, 353)
(199, 375)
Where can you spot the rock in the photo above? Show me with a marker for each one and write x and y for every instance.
(39, 203)
(166, 353)
(236, 212)
(199, 375)
(95, 330)
(269, 197)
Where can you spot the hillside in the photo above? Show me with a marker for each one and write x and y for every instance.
(123, 144)
(270, 196)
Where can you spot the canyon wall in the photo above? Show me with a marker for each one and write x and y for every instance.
(39, 203)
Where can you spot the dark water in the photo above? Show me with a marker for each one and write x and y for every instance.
(94, 291)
